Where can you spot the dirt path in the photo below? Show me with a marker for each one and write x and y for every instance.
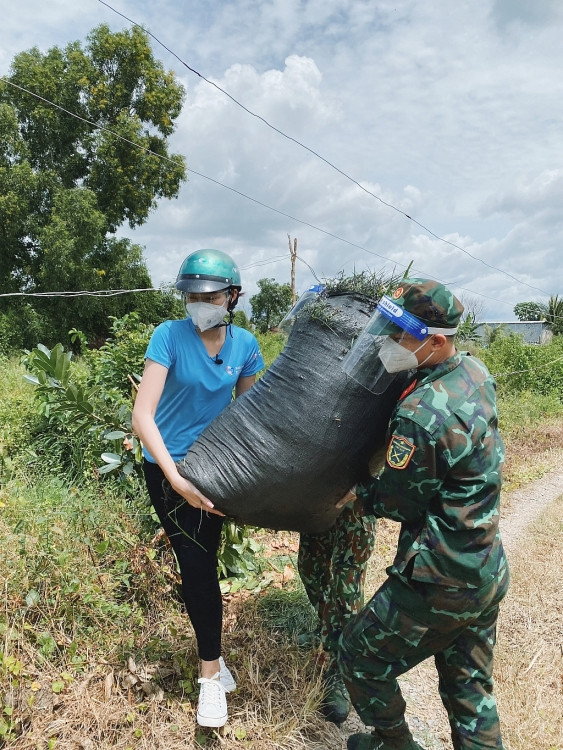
(425, 713)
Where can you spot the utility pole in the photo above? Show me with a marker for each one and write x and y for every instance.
(293, 256)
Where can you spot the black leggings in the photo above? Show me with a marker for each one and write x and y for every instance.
(195, 537)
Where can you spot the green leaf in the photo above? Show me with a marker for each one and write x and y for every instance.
(58, 686)
(61, 363)
(111, 458)
(115, 435)
(109, 467)
(254, 546)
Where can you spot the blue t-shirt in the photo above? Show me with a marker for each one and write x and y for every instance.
(197, 389)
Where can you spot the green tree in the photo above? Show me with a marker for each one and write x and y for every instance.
(66, 186)
(529, 311)
(270, 304)
(240, 319)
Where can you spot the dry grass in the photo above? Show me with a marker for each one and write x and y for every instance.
(531, 452)
(529, 656)
(150, 704)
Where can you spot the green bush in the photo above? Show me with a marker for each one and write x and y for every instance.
(68, 564)
(522, 409)
(519, 367)
(18, 415)
(118, 364)
(20, 327)
(271, 345)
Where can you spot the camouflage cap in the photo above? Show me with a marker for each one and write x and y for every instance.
(430, 301)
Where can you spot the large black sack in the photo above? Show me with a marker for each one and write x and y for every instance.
(284, 452)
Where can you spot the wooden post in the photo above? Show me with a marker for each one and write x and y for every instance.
(293, 256)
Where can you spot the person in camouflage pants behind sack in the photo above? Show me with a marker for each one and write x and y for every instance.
(441, 480)
(332, 567)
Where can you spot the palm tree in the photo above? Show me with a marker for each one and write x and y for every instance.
(553, 313)
(467, 329)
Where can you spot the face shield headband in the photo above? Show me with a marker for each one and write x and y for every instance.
(404, 319)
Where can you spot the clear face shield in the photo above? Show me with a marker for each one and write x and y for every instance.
(306, 298)
(377, 355)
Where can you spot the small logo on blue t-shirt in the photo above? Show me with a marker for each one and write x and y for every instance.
(233, 370)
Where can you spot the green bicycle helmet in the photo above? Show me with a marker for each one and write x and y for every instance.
(207, 271)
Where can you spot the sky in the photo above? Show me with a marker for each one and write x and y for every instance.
(423, 133)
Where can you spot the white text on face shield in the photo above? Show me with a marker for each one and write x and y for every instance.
(391, 307)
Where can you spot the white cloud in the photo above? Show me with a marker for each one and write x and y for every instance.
(448, 111)
(542, 196)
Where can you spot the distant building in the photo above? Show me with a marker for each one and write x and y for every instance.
(532, 331)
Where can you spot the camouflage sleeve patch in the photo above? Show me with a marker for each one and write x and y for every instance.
(400, 452)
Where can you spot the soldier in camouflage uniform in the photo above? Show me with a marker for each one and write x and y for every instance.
(441, 481)
(333, 568)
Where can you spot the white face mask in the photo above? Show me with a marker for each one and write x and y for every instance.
(395, 358)
(205, 315)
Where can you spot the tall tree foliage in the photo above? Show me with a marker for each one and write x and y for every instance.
(66, 186)
(529, 311)
(270, 304)
(551, 312)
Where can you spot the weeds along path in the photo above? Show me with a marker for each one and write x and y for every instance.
(425, 713)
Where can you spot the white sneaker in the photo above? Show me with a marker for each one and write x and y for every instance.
(212, 704)
(227, 679)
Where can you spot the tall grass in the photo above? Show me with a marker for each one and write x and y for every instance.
(93, 626)
(67, 564)
(529, 656)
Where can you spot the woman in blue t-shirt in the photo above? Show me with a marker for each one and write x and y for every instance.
(192, 367)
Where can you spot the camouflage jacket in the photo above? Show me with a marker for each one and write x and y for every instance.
(442, 477)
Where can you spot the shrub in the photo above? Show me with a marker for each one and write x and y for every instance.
(18, 415)
(520, 367)
(271, 344)
(117, 365)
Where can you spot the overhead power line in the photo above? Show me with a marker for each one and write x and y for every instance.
(319, 156)
(82, 293)
(237, 192)
(264, 262)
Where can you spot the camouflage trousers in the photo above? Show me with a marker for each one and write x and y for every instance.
(332, 567)
(405, 623)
